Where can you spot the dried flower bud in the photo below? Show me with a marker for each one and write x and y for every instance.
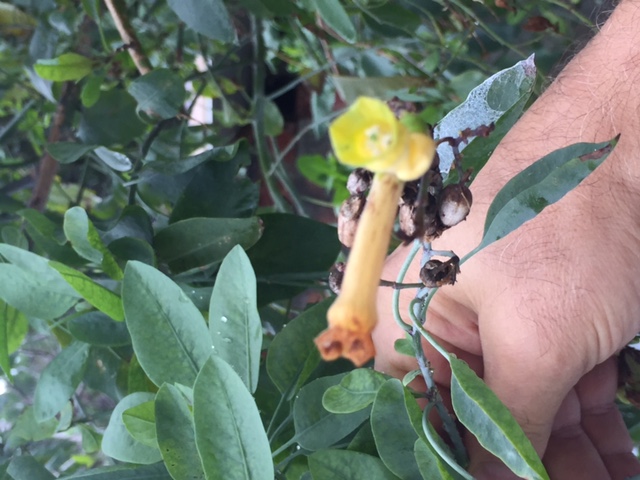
(335, 277)
(407, 220)
(455, 204)
(348, 218)
(436, 273)
(359, 181)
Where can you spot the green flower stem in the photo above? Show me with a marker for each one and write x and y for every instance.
(396, 293)
(436, 446)
(284, 447)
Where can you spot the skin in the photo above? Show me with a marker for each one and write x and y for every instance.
(541, 314)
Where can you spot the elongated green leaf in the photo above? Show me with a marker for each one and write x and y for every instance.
(117, 441)
(114, 160)
(176, 434)
(32, 286)
(168, 333)
(96, 328)
(140, 422)
(486, 417)
(292, 354)
(100, 297)
(14, 21)
(125, 472)
(27, 468)
(159, 94)
(234, 322)
(393, 430)
(316, 428)
(484, 105)
(336, 18)
(229, 433)
(346, 465)
(68, 152)
(90, 93)
(5, 365)
(540, 185)
(68, 66)
(356, 391)
(87, 242)
(59, 380)
(112, 120)
(429, 464)
(29, 294)
(207, 17)
(198, 242)
(27, 429)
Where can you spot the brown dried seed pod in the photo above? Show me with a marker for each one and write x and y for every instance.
(348, 219)
(407, 220)
(436, 273)
(455, 204)
(335, 277)
(359, 181)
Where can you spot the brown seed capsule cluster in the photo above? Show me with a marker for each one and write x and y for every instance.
(427, 208)
(335, 277)
(436, 273)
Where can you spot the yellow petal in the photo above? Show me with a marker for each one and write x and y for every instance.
(368, 135)
(420, 155)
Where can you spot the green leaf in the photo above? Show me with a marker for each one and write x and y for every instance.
(112, 120)
(198, 242)
(234, 322)
(168, 333)
(68, 66)
(140, 422)
(176, 434)
(486, 417)
(87, 242)
(356, 391)
(117, 443)
(96, 328)
(30, 285)
(336, 18)
(292, 354)
(316, 428)
(429, 464)
(486, 104)
(100, 297)
(14, 21)
(393, 430)
(43, 225)
(115, 160)
(207, 17)
(68, 152)
(290, 247)
(346, 465)
(540, 185)
(134, 222)
(159, 93)
(229, 433)
(27, 429)
(59, 380)
(8, 316)
(124, 472)
(273, 120)
(217, 191)
(14, 236)
(24, 467)
(90, 93)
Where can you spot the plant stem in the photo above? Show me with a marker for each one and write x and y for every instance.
(396, 294)
(435, 443)
(258, 119)
(283, 447)
(128, 35)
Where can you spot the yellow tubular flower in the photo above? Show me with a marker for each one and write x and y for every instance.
(368, 135)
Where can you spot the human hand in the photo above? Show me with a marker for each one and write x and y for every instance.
(541, 314)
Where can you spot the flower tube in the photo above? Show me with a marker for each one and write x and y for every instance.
(369, 135)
